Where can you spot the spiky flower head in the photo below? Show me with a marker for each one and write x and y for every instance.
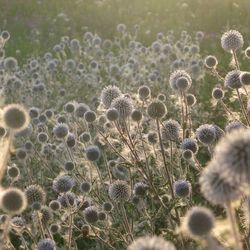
(93, 153)
(232, 79)
(211, 62)
(46, 244)
(182, 188)
(156, 110)
(108, 94)
(144, 92)
(119, 191)
(232, 40)
(233, 155)
(13, 201)
(123, 105)
(247, 52)
(245, 78)
(217, 93)
(91, 214)
(63, 184)
(177, 75)
(35, 193)
(199, 221)
(171, 130)
(15, 117)
(151, 243)
(61, 130)
(234, 125)
(191, 144)
(217, 189)
(191, 100)
(140, 189)
(67, 199)
(206, 134)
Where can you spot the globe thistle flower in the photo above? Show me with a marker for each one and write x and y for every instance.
(93, 153)
(37, 206)
(67, 199)
(191, 100)
(5, 35)
(90, 116)
(218, 94)
(245, 78)
(112, 114)
(61, 130)
(35, 193)
(156, 110)
(232, 79)
(219, 133)
(211, 62)
(42, 137)
(182, 188)
(123, 105)
(187, 154)
(232, 40)
(91, 214)
(69, 107)
(55, 205)
(152, 137)
(151, 243)
(119, 191)
(2, 131)
(140, 189)
(54, 228)
(216, 188)
(108, 94)
(234, 125)
(70, 140)
(33, 112)
(13, 201)
(191, 144)
(199, 221)
(85, 137)
(18, 222)
(63, 184)
(232, 153)
(144, 92)
(247, 52)
(85, 186)
(171, 130)
(13, 172)
(136, 115)
(161, 97)
(179, 74)
(80, 110)
(10, 64)
(107, 206)
(46, 244)
(15, 117)
(182, 84)
(206, 134)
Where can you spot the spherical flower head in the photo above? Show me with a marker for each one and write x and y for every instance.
(206, 134)
(91, 214)
(199, 221)
(140, 189)
(232, 79)
(35, 193)
(136, 115)
(191, 100)
(144, 92)
(218, 94)
(217, 189)
(67, 199)
(80, 110)
(156, 110)
(15, 117)
(247, 52)
(13, 201)
(69, 107)
(90, 116)
(232, 40)
(152, 137)
(176, 75)
(182, 188)
(55, 205)
(219, 133)
(112, 114)
(93, 153)
(191, 144)
(211, 62)
(123, 105)
(46, 244)
(18, 222)
(119, 191)
(108, 94)
(10, 64)
(232, 153)
(234, 125)
(13, 172)
(171, 130)
(182, 84)
(61, 130)
(107, 206)
(63, 184)
(85, 186)
(85, 137)
(187, 154)
(245, 78)
(151, 243)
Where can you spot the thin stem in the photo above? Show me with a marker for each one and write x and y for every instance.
(242, 107)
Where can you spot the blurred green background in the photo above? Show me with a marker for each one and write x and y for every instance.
(36, 25)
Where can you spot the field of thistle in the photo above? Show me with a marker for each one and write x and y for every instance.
(124, 139)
